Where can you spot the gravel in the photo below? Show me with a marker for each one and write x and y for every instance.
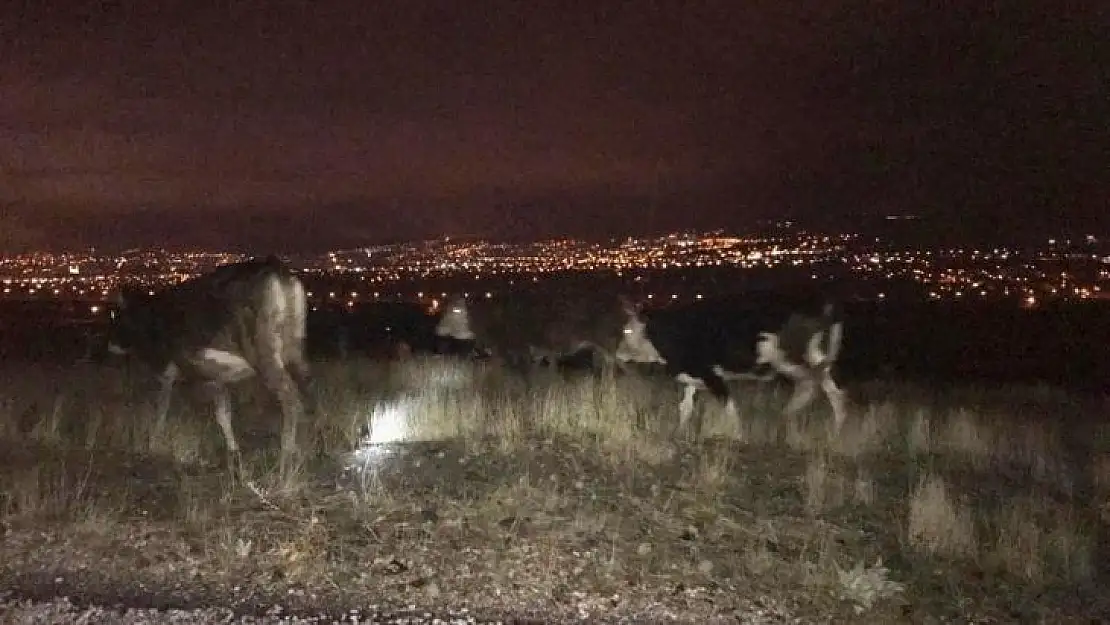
(63, 610)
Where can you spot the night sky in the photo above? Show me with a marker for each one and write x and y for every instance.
(317, 123)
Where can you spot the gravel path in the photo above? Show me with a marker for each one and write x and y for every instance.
(63, 610)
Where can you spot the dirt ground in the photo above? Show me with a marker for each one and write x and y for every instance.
(915, 513)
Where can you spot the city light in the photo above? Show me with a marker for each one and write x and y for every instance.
(1059, 270)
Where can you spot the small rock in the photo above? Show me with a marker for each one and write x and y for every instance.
(643, 549)
(705, 566)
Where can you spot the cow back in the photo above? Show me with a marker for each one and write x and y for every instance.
(240, 308)
(724, 330)
(554, 320)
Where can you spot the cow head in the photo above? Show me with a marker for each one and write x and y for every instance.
(455, 322)
(768, 351)
(125, 324)
(635, 344)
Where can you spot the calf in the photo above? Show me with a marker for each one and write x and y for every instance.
(238, 321)
(560, 329)
(706, 343)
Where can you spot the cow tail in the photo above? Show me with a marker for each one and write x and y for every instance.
(833, 322)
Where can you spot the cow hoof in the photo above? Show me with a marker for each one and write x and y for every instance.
(235, 466)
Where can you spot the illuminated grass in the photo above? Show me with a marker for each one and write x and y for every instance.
(433, 481)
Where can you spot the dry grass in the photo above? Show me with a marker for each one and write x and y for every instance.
(939, 524)
(436, 482)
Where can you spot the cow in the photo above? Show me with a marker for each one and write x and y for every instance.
(375, 329)
(584, 357)
(454, 336)
(238, 321)
(704, 344)
(560, 329)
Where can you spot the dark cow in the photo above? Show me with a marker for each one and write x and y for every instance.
(454, 335)
(566, 329)
(585, 357)
(376, 329)
(238, 321)
(759, 335)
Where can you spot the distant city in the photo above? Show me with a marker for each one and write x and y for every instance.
(1057, 269)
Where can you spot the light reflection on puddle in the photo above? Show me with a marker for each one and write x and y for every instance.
(388, 427)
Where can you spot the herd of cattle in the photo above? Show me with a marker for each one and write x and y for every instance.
(251, 319)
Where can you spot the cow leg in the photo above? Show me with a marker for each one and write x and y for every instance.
(217, 392)
(686, 405)
(689, 391)
(278, 381)
(717, 385)
(804, 390)
(302, 377)
(222, 368)
(282, 385)
(166, 383)
(836, 397)
(222, 402)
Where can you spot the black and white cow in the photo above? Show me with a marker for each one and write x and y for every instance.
(704, 344)
(561, 329)
(238, 321)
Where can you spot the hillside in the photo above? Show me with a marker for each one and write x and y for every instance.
(481, 495)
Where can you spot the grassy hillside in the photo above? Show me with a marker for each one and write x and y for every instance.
(558, 496)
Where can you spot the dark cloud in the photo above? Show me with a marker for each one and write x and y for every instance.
(416, 118)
